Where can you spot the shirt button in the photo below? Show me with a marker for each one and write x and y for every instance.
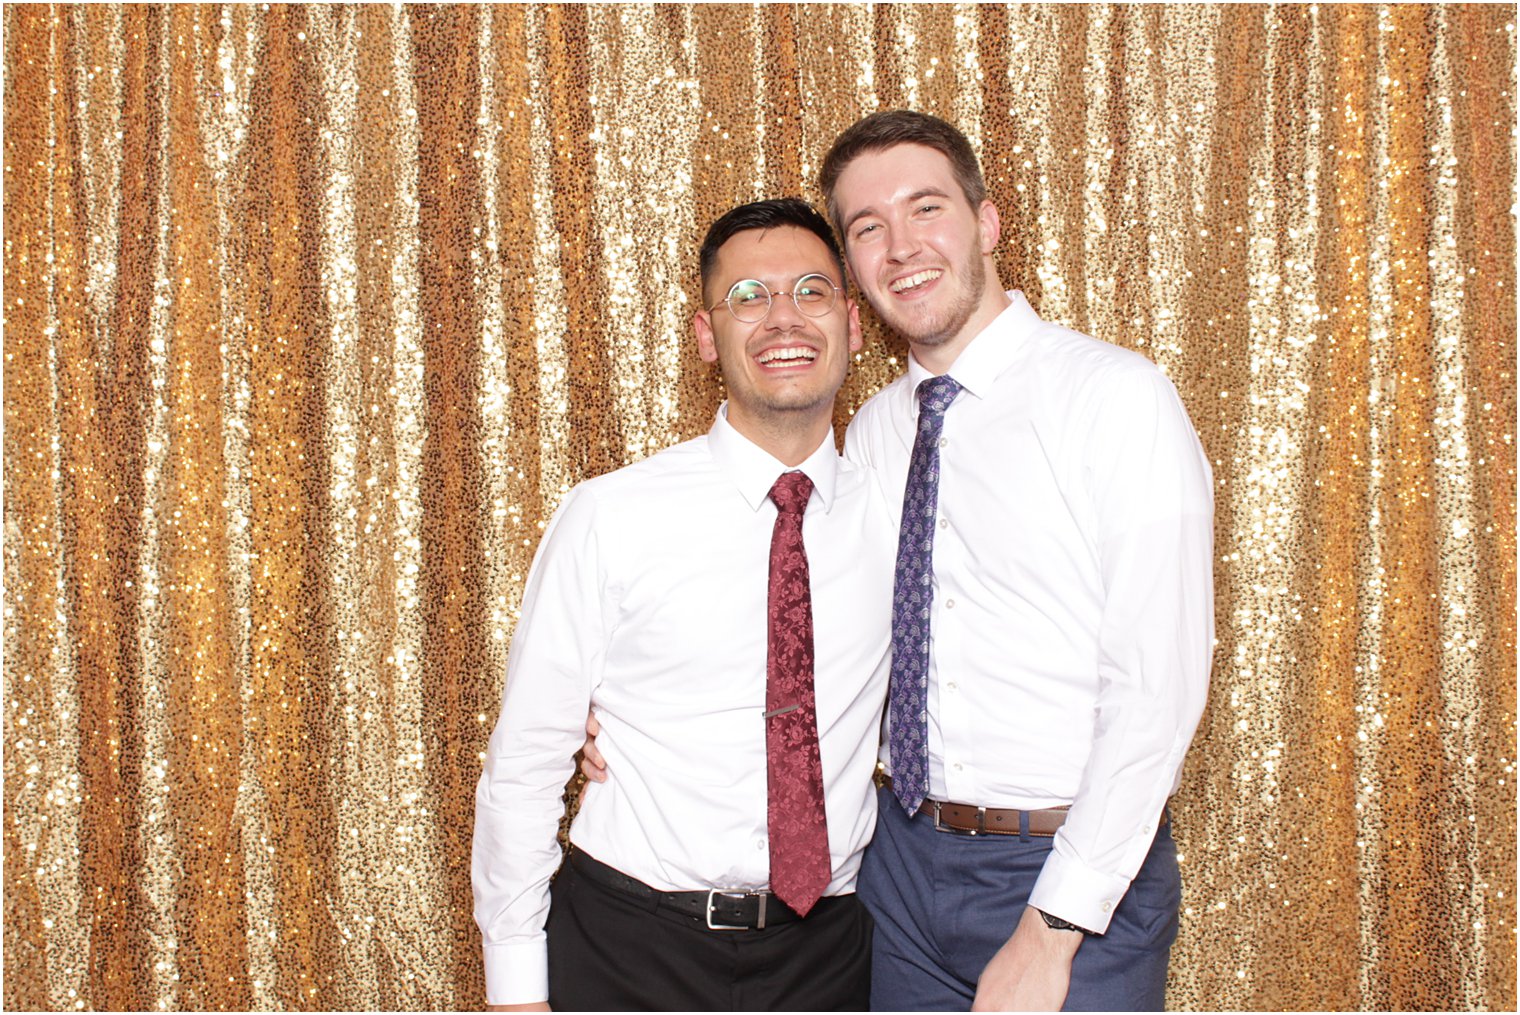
(957, 766)
(1107, 906)
(943, 441)
(952, 685)
(949, 604)
(759, 843)
(1145, 829)
(944, 523)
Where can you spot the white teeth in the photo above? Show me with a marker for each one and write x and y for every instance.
(903, 284)
(792, 353)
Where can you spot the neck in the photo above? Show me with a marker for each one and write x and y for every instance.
(938, 357)
(788, 437)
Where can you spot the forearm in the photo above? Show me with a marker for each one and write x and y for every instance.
(1151, 697)
(515, 854)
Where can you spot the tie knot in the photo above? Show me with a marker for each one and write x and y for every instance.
(791, 492)
(936, 394)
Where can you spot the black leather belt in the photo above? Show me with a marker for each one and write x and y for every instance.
(718, 908)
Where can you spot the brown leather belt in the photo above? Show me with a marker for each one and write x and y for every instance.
(967, 819)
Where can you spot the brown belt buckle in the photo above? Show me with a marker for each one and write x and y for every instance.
(981, 823)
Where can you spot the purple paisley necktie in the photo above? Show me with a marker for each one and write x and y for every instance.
(913, 591)
(799, 836)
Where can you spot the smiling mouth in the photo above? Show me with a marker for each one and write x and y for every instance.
(914, 281)
(792, 355)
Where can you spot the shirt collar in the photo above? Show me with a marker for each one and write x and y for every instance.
(989, 353)
(754, 470)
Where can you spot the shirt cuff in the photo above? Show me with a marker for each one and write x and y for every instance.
(517, 973)
(1072, 891)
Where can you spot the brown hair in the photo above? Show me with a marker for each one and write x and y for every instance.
(889, 129)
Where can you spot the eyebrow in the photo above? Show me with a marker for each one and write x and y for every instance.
(793, 282)
(916, 195)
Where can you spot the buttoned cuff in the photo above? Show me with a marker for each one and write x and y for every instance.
(1072, 891)
(517, 973)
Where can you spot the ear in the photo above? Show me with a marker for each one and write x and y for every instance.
(991, 228)
(856, 341)
(707, 344)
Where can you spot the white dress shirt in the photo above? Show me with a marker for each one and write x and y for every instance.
(1073, 613)
(647, 601)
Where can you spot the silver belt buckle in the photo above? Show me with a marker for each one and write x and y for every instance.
(712, 893)
(981, 822)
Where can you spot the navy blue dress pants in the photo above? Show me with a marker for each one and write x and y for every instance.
(945, 903)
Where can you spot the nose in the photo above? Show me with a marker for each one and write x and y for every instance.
(784, 315)
(902, 244)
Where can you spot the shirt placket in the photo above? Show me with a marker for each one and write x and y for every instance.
(951, 750)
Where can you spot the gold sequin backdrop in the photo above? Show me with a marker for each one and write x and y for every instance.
(313, 314)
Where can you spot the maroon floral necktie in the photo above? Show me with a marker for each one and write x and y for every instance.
(799, 834)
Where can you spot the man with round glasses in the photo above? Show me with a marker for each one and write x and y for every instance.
(723, 605)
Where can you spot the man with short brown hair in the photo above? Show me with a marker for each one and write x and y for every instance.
(1052, 614)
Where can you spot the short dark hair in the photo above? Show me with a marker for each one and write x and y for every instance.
(780, 211)
(893, 127)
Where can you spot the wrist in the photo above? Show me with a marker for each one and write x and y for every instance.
(1058, 924)
(1041, 939)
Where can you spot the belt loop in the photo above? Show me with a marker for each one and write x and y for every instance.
(1023, 825)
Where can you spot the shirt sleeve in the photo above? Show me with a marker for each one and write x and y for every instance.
(1152, 498)
(555, 662)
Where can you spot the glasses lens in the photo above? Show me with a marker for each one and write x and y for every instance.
(814, 295)
(749, 300)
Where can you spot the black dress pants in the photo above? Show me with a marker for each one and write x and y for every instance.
(609, 951)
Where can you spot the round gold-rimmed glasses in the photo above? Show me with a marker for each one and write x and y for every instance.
(750, 300)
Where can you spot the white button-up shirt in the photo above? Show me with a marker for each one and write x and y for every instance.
(1073, 615)
(647, 601)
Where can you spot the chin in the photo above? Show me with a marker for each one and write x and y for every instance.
(937, 328)
(804, 405)
(796, 402)
(918, 331)
(930, 336)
